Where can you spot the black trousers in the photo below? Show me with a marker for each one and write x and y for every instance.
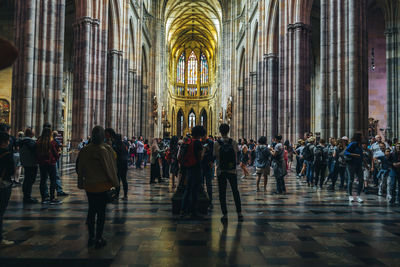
(30, 177)
(223, 179)
(5, 194)
(97, 207)
(320, 170)
(122, 173)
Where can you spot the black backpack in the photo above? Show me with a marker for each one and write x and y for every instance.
(319, 154)
(308, 153)
(227, 157)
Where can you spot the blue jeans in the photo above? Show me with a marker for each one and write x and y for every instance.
(331, 168)
(48, 171)
(394, 183)
(192, 188)
(139, 160)
(309, 171)
(355, 170)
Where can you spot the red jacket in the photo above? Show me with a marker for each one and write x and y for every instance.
(51, 157)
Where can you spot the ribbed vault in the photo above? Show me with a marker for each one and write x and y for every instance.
(195, 23)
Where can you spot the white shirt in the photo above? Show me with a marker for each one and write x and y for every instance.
(139, 147)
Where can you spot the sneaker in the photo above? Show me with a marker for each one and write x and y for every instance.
(30, 201)
(45, 201)
(351, 198)
(243, 177)
(62, 194)
(360, 200)
(55, 202)
(7, 242)
(100, 243)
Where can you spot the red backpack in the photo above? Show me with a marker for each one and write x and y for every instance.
(186, 156)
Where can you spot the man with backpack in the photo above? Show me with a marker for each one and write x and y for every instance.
(190, 156)
(308, 156)
(225, 151)
(320, 163)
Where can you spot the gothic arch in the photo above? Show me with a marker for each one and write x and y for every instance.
(180, 123)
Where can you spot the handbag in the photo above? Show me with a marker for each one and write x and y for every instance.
(112, 195)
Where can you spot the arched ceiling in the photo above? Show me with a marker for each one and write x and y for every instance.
(195, 23)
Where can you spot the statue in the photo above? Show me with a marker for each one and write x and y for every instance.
(229, 111)
(155, 109)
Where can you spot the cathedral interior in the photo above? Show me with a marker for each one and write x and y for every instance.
(155, 67)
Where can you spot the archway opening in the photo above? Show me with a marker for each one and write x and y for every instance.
(179, 123)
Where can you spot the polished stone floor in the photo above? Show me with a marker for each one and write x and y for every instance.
(303, 228)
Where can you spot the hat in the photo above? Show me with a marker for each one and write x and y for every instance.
(8, 54)
(345, 138)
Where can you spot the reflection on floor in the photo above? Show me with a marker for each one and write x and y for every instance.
(304, 227)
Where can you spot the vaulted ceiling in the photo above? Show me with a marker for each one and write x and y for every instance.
(194, 23)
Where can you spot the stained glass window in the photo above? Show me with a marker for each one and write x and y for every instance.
(4, 111)
(204, 69)
(192, 68)
(180, 69)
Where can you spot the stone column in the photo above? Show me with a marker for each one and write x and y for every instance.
(37, 73)
(112, 88)
(80, 117)
(272, 93)
(393, 67)
(302, 80)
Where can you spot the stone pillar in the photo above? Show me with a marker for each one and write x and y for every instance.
(302, 80)
(393, 67)
(272, 95)
(356, 66)
(82, 61)
(37, 73)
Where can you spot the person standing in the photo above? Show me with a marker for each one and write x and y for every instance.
(354, 156)
(59, 189)
(47, 156)
(308, 156)
(155, 172)
(278, 164)
(320, 163)
(28, 160)
(192, 161)
(6, 172)
(395, 174)
(121, 149)
(262, 162)
(244, 159)
(225, 151)
(139, 152)
(97, 174)
(207, 168)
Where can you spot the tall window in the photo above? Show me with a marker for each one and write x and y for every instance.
(204, 69)
(192, 68)
(192, 120)
(180, 70)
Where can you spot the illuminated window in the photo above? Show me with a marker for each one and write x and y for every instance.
(180, 70)
(204, 69)
(4, 111)
(192, 120)
(192, 69)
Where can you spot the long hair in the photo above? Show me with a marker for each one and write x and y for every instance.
(44, 141)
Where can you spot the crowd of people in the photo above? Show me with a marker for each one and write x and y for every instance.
(191, 163)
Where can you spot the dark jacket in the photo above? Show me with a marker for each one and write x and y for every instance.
(28, 152)
(49, 158)
(6, 167)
